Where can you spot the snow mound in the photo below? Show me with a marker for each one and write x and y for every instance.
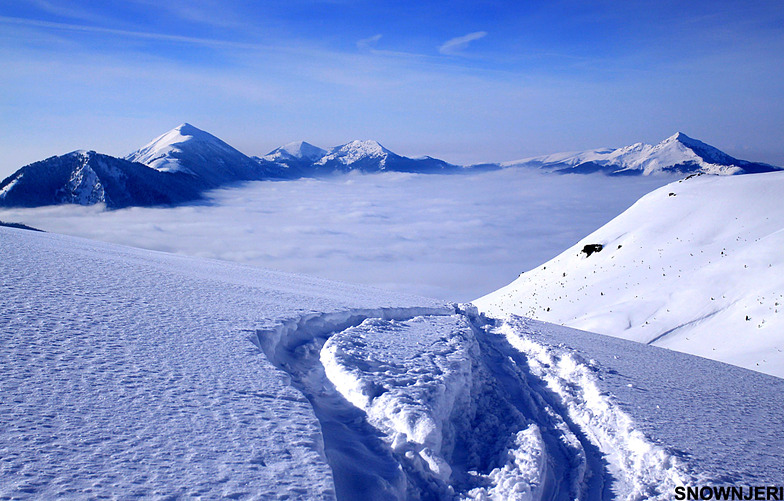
(693, 266)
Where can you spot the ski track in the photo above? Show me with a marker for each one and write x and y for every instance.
(432, 404)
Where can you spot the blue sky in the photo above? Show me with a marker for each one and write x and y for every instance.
(467, 81)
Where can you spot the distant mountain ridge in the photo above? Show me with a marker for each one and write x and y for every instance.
(180, 165)
(87, 178)
(677, 154)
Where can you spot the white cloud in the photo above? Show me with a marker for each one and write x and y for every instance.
(386, 230)
(455, 45)
(369, 42)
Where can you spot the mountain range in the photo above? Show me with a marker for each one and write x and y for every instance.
(180, 165)
(677, 154)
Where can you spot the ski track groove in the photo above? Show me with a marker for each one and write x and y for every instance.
(366, 467)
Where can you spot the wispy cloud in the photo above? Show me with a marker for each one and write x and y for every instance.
(455, 45)
(208, 42)
(369, 42)
(70, 11)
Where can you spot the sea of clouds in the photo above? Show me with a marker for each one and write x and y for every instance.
(455, 237)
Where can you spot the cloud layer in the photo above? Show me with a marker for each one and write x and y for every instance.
(453, 237)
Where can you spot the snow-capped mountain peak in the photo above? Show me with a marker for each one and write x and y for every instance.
(365, 155)
(162, 152)
(705, 151)
(678, 153)
(297, 150)
(355, 151)
(187, 149)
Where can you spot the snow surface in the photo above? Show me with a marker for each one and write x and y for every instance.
(695, 266)
(132, 373)
(84, 187)
(187, 149)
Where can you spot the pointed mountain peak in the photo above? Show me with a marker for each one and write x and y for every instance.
(702, 150)
(297, 150)
(165, 152)
(183, 132)
(367, 144)
(188, 130)
(678, 136)
(357, 149)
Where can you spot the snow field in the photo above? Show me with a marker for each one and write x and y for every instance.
(130, 373)
(693, 266)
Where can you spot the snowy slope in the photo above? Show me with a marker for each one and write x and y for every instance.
(678, 153)
(135, 374)
(190, 150)
(88, 178)
(694, 266)
(129, 373)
